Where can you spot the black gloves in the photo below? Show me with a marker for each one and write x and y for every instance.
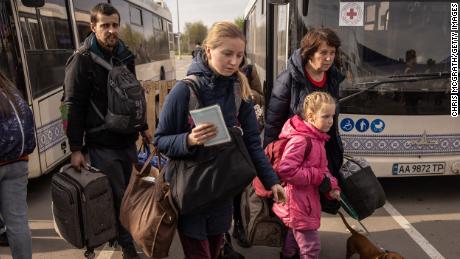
(325, 185)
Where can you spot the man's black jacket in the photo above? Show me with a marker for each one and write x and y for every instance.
(84, 81)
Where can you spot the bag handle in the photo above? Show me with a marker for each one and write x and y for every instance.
(352, 159)
(150, 157)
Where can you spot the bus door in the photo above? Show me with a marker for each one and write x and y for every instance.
(47, 43)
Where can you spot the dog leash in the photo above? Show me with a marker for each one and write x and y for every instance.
(355, 216)
(353, 213)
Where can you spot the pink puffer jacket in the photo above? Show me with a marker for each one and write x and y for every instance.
(302, 175)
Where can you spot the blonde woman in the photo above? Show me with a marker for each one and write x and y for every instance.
(216, 68)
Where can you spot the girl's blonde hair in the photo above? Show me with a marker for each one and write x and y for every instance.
(216, 37)
(314, 101)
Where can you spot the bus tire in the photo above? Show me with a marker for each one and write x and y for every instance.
(162, 73)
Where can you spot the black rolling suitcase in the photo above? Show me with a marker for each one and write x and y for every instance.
(83, 209)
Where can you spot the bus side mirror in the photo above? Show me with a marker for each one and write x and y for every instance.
(33, 3)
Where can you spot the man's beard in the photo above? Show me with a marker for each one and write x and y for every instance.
(111, 42)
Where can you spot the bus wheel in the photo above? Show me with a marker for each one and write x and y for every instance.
(162, 73)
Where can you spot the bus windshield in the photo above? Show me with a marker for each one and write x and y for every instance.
(397, 38)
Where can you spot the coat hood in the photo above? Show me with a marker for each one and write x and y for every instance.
(297, 126)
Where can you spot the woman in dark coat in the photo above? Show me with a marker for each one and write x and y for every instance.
(310, 68)
(216, 68)
(17, 141)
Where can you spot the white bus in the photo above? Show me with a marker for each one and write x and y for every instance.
(37, 41)
(399, 51)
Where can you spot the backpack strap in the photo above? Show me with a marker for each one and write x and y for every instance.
(192, 82)
(248, 71)
(100, 61)
(98, 112)
(194, 103)
(237, 94)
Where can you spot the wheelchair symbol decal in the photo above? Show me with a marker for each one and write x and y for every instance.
(347, 124)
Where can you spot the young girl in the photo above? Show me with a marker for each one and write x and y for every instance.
(216, 67)
(304, 169)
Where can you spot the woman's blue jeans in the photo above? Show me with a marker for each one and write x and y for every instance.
(13, 208)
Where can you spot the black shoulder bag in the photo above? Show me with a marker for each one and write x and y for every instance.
(214, 174)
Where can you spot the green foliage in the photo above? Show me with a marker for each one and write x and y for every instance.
(194, 32)
(239, 21)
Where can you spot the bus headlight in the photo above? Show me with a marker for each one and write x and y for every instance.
(456, 167)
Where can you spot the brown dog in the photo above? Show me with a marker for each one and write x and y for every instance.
(358, 243)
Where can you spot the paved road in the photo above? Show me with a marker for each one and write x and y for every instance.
(182, 65)
(420, 220)
(430, 207)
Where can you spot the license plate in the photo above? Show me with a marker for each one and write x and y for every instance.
(419, 168)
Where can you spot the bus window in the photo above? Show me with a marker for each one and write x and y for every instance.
(10, 62)
(135, 15)
(25, 33)
(30, 28)
(370, 53)
(54, 51)
(156, 22)
(171, 36)
(55, 25)
(280, 40)
(148, 34)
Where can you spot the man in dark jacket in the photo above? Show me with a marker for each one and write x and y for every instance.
(112, 153)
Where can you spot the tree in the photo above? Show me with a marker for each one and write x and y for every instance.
(184, 45)
(195, 32)
(239, 21)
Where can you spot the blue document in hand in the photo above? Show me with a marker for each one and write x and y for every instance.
(213, 115)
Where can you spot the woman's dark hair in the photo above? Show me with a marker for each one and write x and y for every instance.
(313, 39)
(104, 9)
(7, 89)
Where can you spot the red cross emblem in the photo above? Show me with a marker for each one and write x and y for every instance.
(351, 13)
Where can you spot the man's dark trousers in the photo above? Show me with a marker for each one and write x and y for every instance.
(117, 165)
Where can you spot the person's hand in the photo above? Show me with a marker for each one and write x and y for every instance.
(201, 134)
(147, 136)
(325, 186)
(77, 160)
(335, 194)
(278, 193)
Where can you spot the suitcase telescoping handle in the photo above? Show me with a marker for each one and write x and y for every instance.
(92, 168)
